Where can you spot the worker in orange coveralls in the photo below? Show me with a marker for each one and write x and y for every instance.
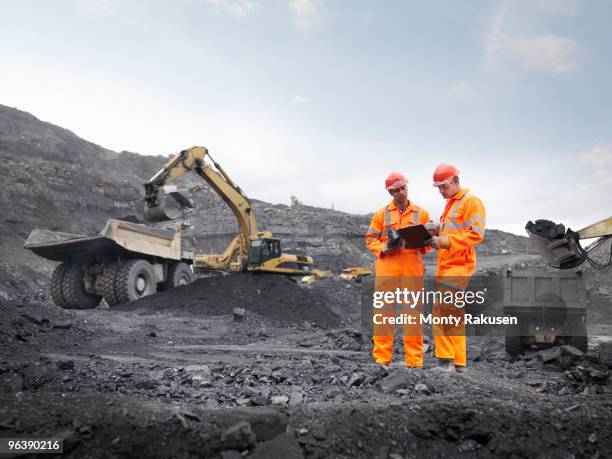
(461, 228)
(397, 267)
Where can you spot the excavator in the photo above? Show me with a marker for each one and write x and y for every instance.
(561, 248)
(251, 250)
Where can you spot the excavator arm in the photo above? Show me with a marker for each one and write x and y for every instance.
(561, 249)
(160, 206)
(257, 251)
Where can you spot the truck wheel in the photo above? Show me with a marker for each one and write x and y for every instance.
(135, 279)
(178, 274)
(56, 286)
(514, 345)
(109, 279)
(73, 289)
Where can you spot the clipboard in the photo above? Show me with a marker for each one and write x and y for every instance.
(415, 236)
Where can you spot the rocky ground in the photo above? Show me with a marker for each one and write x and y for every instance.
(181, 375)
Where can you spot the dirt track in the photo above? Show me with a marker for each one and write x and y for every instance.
(170, 376)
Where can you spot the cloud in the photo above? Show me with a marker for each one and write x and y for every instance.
(101, 7)
(298, 100)
(510, 33)
(462, 90)
(598, 156)
(494, 34)
(562, 7)
(550, 53)
(238, 8)
(306, 14)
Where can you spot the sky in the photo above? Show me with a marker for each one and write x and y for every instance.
(321, 99)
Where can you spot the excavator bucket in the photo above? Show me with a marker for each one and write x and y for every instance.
(170, 206)
(559, 248)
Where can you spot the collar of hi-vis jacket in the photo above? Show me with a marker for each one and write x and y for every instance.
(452, 207)
(393, 206)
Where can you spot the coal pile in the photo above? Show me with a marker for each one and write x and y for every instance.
(27, 326)
(585, 373)
(278, 298)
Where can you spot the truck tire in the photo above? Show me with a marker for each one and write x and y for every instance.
(135, 279)
(178, 274)
(514, 345)
(73, 289)
(109, 279)
(57, 278)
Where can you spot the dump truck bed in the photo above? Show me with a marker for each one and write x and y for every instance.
(62, 246)
(116, 237)
(535, 290)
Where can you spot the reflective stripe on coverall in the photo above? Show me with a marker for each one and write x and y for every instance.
(463, 221)
(401, 268)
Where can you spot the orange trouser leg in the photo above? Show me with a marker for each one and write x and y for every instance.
(459, 345)
(383, 332)
(413, 349)
(451, 347)
(444, 347)
(383, 349)
(413, 337)
(449, 340)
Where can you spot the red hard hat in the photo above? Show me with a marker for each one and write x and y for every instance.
(395, 180)
(444, 174)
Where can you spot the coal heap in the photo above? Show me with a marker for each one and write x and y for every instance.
(278, 298)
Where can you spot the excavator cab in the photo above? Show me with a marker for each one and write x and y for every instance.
(265, 256)
(262, 250)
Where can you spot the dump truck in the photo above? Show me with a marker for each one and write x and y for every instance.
(122, 263)
(550, 308)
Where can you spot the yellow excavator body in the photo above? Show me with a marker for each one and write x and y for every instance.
(354, 272)
(250, 250)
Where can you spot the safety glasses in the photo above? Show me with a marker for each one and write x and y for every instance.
(444, 182)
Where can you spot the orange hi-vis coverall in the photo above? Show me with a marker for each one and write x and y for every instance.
(400, 268)
(463, 222)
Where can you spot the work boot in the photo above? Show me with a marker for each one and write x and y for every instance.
(444, 365)
(384, 365)
(460, 369)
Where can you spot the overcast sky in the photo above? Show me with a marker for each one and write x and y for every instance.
(322, 99)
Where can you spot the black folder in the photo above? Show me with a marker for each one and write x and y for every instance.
(415, 236)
